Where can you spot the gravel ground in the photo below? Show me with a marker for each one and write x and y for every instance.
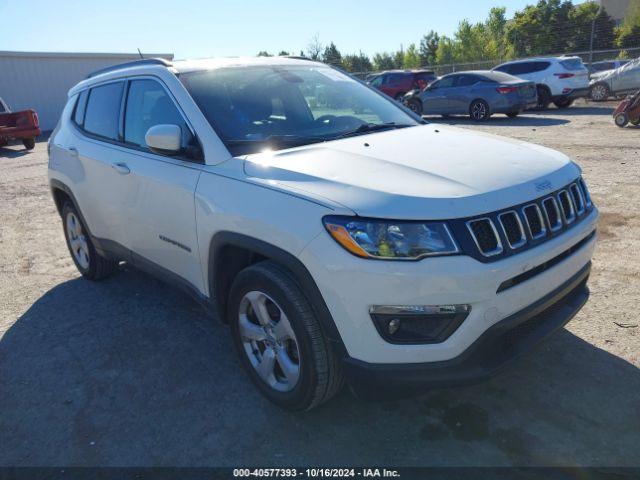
(129, 372)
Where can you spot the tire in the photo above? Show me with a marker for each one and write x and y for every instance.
(544, 97)
(415, 106)
(29, 143)
(513, 114)
(479, 111)
(89, 263)
(299, 343)
(563, 103)
(621, 120)
(599, 92)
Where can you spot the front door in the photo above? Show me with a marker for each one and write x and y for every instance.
(161, 228)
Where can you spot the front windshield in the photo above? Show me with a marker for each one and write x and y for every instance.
(255, 107)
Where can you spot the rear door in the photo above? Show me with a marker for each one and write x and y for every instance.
(101, 187)
(462, 93)
(161, 227)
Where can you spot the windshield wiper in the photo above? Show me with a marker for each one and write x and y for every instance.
(372, 127)
(279, 139)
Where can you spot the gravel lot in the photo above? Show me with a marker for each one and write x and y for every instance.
(130, 372)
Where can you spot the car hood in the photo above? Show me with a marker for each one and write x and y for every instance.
(423, 172)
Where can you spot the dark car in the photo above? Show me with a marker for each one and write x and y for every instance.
(476, 93)
(396, 83)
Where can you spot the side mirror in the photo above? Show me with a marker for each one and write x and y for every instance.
(164, 139)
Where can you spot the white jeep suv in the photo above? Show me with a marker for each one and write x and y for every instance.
(339, 236)
(560, 80)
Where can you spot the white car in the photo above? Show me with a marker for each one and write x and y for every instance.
(560, 80)
(340, 238)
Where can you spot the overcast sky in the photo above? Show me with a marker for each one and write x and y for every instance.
(199, 28)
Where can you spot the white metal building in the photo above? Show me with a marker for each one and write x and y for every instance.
(41, 80)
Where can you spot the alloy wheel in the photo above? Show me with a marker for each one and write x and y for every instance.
(269, 341)
(479, 110)
(599, 93)
(77, 240)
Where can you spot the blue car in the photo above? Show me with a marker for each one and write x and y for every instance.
(479, 94)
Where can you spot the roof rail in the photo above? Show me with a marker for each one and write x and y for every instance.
(134, 63)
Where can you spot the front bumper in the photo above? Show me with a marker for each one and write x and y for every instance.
(498, 346)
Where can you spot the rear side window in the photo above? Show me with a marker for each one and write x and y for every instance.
(78, 114)
(504, 68)
(526, 67)
(148, 104)
(466, 80)
(572, 64)
(103, 110)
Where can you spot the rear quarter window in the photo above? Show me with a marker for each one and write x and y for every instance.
(572, 64)
(78, 114)
(102, 115)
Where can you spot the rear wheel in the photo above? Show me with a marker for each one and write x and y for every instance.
(479, 110)
(88, 262)
(544, 97)
(279, 339)
(599, 92)
(29, 143)
(621, 120)
(563, 102)
(415, 106)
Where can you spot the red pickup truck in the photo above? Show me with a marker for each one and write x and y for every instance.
(21, 125)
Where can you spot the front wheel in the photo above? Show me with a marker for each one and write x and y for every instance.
(479, 110)
(88, 262)
(544, 97)
(621, 120)
(599, 92)
(29, 143)
(279, 339)
(415, 106)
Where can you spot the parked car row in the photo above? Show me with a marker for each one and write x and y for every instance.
(509, 88)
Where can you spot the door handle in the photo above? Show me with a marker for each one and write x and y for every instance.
(121, 168)
(73, 151)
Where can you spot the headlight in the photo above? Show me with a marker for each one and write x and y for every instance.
(391, 240)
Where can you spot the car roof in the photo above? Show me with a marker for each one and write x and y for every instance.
(155, 65)
(540, 59)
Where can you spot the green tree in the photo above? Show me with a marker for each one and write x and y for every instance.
(332, 55)
(357, 62)
(411, 57)
(383, 61)
(628, 34)
(429, 47)
(283, 53)
(445, 53)
(398, 58)
(263, 53)
(585, 19)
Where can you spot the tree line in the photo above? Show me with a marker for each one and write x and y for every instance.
(548, 27)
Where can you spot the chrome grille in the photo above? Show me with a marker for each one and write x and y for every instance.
(566, 205)
(485, 236)
(507, 232)
(578, 199)
(512, 228)
(552, 213)
(534, 221)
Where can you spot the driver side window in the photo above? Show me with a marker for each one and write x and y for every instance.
(148, 104)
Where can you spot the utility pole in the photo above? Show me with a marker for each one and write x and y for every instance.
(593, 33)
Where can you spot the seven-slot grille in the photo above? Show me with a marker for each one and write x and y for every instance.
(530, 223)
